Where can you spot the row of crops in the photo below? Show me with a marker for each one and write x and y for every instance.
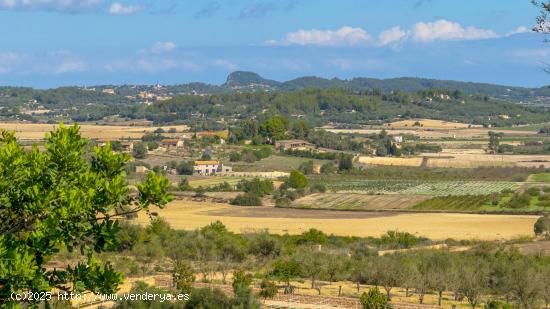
(455, 203)
(436, 188)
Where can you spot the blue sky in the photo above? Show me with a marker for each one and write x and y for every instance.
(48, 43)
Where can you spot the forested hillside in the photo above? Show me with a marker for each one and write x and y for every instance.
(246, 94)
(341, 106)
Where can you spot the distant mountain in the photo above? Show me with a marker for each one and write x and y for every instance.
(248, 79)
(243, 81)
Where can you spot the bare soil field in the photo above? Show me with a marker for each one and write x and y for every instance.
(191, 215)
(347, 201)
(460, 160)
(37, 131)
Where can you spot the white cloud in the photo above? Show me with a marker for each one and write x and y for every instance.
(226, 64)
(440, 30)
(444, 30)
(117, 8)
(391, 35)
(163, 47)
(345, 36)
(70, 65)
(9, 61)
(50, 5)
(518, 30)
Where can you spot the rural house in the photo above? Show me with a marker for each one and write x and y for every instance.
(206, 168)
(171, 143)
(294, 144)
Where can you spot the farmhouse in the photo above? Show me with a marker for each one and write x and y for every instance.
(172, 143)
(205, 168)
(294, 144)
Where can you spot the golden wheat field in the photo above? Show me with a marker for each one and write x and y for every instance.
(191, 215)
(37, 131)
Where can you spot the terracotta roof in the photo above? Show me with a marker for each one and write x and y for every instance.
(211, 162)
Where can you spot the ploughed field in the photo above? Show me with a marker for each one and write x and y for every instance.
(190, 215)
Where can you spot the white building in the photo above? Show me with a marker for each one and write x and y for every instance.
(206, 168)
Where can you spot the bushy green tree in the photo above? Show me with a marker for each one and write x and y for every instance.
(268, 289)
(244, 297)
(183, 276)
(542, 226)
(139, 151)
(296, 180)
(56, 199)
(374, 299)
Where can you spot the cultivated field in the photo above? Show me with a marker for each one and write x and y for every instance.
(203, 181)
(542, 177)
(191, 215)
(346, 201)
(435, 134)
(431, 124)
(32, 131)
(460, 160)
(417, 187)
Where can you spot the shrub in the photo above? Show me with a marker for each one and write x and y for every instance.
(542, 226)
(235, 157)
(374, 299)
(256, 186)
(247, 199)
(533, 191)
(328, 168)
(398, 240)
(319, 187)
(519, 201)
(139, 151)
(297, 180)
(268, 289)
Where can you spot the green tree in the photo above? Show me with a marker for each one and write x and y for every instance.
(139, 151)
(268, 289)
(297, 180)
(542, 226)
(285, 270)
(345, 162)
(274, 128)
(328, 168)
(244, 297)
(374, 299)
(56, 198)
(183, 276)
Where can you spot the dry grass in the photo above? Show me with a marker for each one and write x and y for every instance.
(32, 131)
(191, 215)
(459, 159)
(437, 134)
(432, 124)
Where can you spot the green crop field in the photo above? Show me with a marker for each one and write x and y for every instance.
(542, 177)
(417, 187)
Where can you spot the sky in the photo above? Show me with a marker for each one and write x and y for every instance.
(51, 43)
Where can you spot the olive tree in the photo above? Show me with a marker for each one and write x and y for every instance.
(64, 198)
